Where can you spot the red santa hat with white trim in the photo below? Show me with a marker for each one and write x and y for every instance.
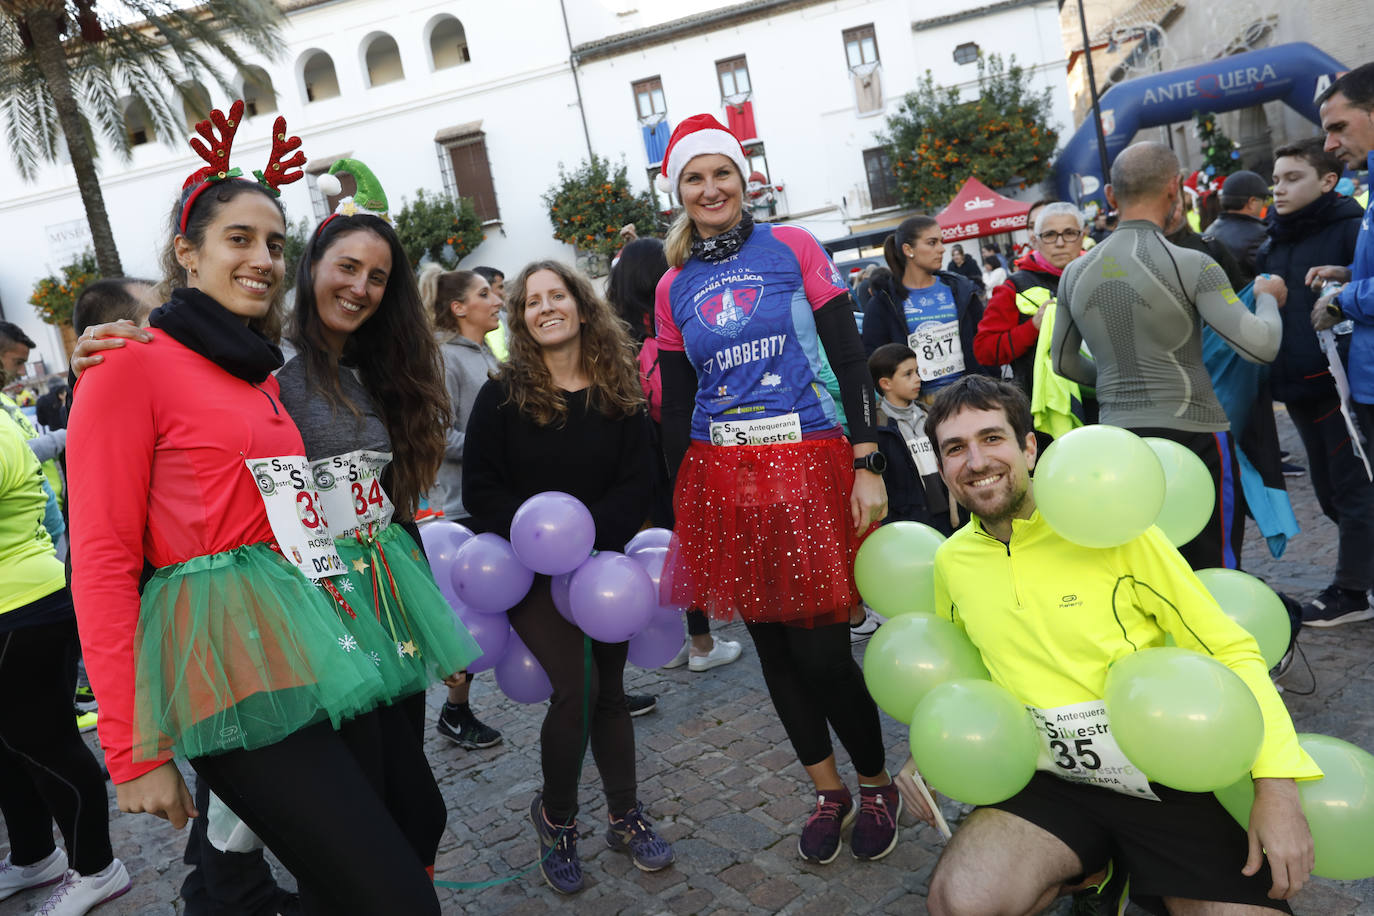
(699, 135)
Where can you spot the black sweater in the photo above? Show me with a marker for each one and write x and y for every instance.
(606, 463)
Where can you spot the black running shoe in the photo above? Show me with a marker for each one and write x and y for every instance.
(466, 731)
(640, 704)
(1336, 606)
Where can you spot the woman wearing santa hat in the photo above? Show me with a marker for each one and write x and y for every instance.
(771, 499)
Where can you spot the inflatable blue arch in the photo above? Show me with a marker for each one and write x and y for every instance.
(1294, 74)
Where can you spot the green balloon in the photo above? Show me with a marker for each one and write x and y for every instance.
(974, 741)
(895, 568)
(1183, 718)
(1253, 605)
(1339, 807)
(1099, 486)
(1188, 492)
(913, 653)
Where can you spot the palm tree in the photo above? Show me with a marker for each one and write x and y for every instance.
(65, 68)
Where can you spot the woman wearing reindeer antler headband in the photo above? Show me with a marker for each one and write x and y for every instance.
(182, 455)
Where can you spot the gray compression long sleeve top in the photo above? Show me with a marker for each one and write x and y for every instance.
(1138, 303)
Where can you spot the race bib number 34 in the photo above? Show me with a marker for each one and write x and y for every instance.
(1076, 744)
(351, 488)
(297, 514)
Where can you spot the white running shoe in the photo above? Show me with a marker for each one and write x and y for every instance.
(79, 894)
(15, 878)
(723, 652)
(681, 658)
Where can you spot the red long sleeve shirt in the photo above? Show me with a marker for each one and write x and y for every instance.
(1002, 335)
(155, 453)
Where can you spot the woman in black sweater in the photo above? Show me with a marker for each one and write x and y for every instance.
(566, 413)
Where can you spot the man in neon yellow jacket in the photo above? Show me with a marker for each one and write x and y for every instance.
(1049, 617)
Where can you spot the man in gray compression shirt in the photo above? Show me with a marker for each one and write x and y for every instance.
(1138, 303)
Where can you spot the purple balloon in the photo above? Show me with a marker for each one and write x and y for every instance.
(552, 533)
(492, 633)
(652, 559)
(612, 597)
(520, 676)
(488, 577)
(658, 643)
(558, 588)
(441, 539)
(649, 537)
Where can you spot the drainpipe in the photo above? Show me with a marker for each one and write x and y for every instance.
(577, 85)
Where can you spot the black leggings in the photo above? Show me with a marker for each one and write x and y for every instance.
(813, 680)
(697, 624)
(354, 814)
(46, 771)
(557, 645)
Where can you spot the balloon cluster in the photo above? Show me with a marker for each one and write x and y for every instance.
(610, 596)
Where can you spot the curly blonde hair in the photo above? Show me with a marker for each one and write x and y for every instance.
(608, 356)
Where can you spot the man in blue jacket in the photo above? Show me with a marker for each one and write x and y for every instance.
(1314, 225)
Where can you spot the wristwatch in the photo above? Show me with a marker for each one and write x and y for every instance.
(1333, 308)
(873, 461)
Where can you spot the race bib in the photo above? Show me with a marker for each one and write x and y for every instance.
(297, 514)
(350, 488)
(923, 453)
(1076, 744)
(938, 353)
(770, 431)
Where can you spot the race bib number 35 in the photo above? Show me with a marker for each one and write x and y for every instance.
(770, 431)
(297, 514)
(1076, 744)
(351, 488)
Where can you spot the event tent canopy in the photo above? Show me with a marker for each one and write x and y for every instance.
(977, 210)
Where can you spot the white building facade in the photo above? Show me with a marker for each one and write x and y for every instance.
(487, 100)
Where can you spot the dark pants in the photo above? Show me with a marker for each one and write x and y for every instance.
(557, 645)
(354, 814)
(1344, 491)
(814, 681)
(46, 771)
(697, 624)
(1218, 544)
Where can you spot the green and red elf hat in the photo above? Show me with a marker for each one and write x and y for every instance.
(368, 198)
(281, 167)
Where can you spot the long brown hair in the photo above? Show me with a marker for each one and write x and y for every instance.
(608, 356)
(396, 357)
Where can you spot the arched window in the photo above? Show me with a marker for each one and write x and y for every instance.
(195, 103)
(137, 125)
(448, 43)
(382, 59)
(321, 82)
(258, 95)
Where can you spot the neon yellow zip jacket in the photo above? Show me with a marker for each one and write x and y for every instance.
(31, 570)
(1050, 617)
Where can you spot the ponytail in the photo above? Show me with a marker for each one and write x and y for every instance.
(439, 288)
(677, 244)
(906, 234)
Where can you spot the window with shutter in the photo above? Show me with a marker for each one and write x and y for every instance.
(471, 172)
(882, 183)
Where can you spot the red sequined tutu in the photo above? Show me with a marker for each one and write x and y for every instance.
(764, 533)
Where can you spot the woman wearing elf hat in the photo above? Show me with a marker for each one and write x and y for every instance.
(771, 498)
(183, 455)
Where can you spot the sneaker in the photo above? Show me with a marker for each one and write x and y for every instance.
(820, 839)
(866, 627)
(1335, 606)
(681, 658)
(15, 878)
(79, 894)
(1292, 470)
(875, 831)
(466, 731)
(1107, 899)
(558, 861)
(723, 652)
(85, 721)
(640, 704)
(84, 696)
(633, 834)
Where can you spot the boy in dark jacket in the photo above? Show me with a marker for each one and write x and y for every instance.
(915, 492)
(1315, 226)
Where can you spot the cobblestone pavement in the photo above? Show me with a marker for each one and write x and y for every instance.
(719, 778)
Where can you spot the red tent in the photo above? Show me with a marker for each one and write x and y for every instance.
(978, 210)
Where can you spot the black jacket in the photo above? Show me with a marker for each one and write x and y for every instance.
(906, 492)
(1242, 235)
(1185, 237)
(1323, 232)
(885, 314)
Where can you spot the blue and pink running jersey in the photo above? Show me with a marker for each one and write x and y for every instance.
(747, 327)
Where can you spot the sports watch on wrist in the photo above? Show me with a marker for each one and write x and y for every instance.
(873, 461)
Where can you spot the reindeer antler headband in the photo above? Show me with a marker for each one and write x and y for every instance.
(279, 169)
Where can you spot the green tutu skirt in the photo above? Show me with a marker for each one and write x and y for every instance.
(237, 650)
(402, 621)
